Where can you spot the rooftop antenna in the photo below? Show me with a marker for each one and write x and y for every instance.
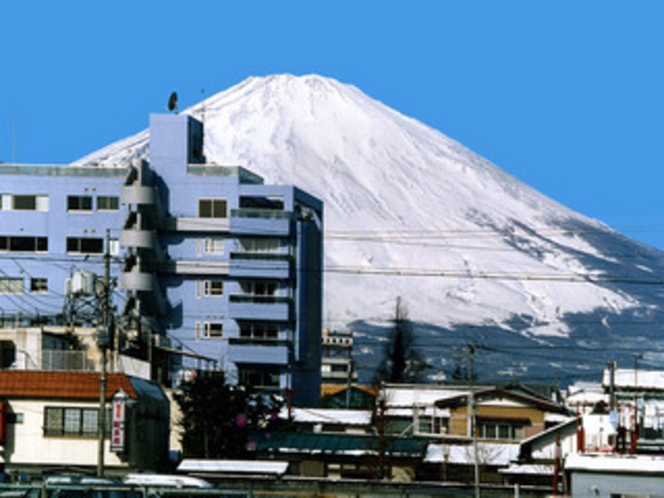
(173, 102)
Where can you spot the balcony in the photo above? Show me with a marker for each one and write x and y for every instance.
(261, 222)
(253, 307)
(196, 267)
(276, 354)
(187, 224)
(263, 265)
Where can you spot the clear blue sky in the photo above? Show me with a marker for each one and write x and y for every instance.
(566, 95)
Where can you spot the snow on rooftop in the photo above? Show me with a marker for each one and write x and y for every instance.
(409, 396)
(329, 416)
(615, 463)
(487, 453)
(636, 378)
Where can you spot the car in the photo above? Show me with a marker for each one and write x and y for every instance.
(166, 481)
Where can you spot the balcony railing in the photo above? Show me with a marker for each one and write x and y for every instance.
(69, 361)
(257, 341)
(264, 256)
(265, 214)
(252, 298)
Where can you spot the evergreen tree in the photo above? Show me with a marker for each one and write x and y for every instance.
(401, 362)
(218, 420)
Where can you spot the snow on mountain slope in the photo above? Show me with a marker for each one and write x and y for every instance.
(408, 211)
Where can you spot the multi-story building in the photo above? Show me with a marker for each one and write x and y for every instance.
(206, 266)
(337, 357)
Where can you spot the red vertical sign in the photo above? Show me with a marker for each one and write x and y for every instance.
(118, 423)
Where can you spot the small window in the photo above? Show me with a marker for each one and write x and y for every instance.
(214, 288)
(23, 244)
(38, 285)
(25, 203)
(10, 285)
(79, 245)
(214, 245)
(212, 208)
(108, 203)
(79, 203)
(213, 329)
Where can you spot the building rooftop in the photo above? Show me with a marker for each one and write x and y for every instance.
(61, 385)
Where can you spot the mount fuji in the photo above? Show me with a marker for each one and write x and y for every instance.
(482, 262)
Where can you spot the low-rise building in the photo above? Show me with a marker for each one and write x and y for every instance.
(50, 422)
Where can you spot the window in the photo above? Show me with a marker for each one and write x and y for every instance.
(79, 203)
(61, 421)
(38, 285)
(211, 330)
(22, 202)
(108, 203)
(25, 203)
(431, 425)
(23, 244)
(258, 244)
(9, 285)
(259, 288)
(214, 245)
(80, 245)
(259, 331)
(212, 208)
(213, 288)
(501, 430)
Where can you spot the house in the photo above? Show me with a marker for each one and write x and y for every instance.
(50, 423)
(621, 417)
(207, 266)
(501, 416)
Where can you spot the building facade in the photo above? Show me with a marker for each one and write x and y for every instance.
(49, 420)
(204, 265)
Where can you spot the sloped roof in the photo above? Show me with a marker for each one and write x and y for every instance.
(502, 393)
(83, 386)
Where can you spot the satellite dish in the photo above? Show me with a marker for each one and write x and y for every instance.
(173, 102)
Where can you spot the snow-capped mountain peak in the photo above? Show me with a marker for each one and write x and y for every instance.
(411, 213)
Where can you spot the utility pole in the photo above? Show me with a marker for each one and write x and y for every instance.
(104, 340)
(472, 402)
(612, 385)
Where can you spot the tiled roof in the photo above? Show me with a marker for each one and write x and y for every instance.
(38, 384)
